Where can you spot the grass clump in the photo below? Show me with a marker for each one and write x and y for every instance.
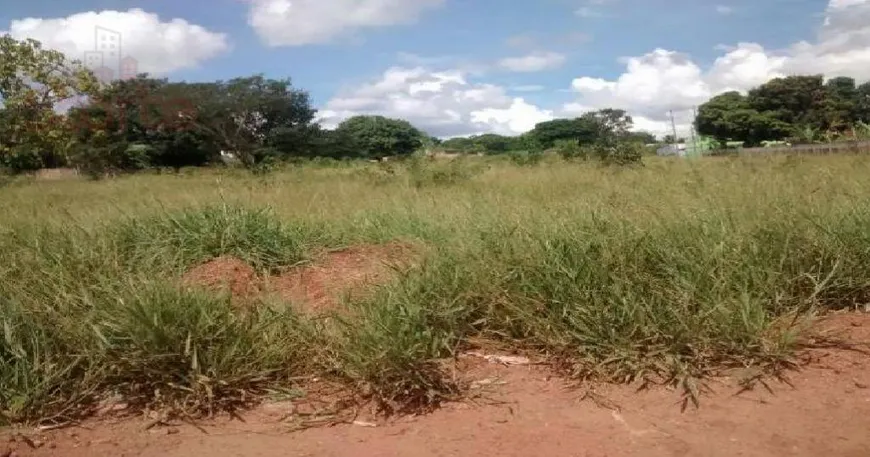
(187, 237)
(193, 353)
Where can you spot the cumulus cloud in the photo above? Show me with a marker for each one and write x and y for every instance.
(158, 46)
(302, 22)
(443, 103)
(536, 61)
(663, 80)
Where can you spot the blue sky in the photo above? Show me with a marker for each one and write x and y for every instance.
(442, 63)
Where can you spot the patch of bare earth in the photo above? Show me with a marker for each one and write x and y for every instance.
(520, 409)
(225, 274)
(317, 286)
(321, 285)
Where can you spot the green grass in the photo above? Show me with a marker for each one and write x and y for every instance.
(663, 273)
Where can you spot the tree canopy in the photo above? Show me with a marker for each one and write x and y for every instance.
(33, 82)
(797, 108)
(379, 136)
(145, 122)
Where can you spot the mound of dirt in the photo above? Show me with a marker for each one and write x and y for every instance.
(322, 284)
(225, 274)
(318, 286)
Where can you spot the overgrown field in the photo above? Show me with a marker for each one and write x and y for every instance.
(665, 272)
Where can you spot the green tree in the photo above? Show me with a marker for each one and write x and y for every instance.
(863, 102)
(840, 104)
(253, 117)
(378, 136)
(794, 100)
(582, 130)
(138, 123)
(33, 82)
(463, 145)
(641, 137)
(711, 119)
(491, 143)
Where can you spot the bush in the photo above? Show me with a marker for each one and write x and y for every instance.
(526, 158)
(21, 159)
(571, 149)
(99, 159)
(621, 153)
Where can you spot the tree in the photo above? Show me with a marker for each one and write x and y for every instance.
(711, 118)
(608, 122)
(840, 105)
(580, 130)
(33, 82)
(253, 117)
(138, 123)
(862, 104)
(459, 144)
(794, 100)
(378, 136)
(641, 137)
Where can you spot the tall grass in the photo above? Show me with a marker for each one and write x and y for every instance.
(663, 273)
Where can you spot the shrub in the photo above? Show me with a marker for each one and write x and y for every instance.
(526, 158)
(571, 149)
(621, 153)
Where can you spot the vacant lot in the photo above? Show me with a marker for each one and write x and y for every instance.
(202, 292)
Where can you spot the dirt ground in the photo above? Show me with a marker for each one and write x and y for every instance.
(318, 286)
(524, 411)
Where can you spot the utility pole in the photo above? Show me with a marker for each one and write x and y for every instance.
(674, 127)
(694, 142)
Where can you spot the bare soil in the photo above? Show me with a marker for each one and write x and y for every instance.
(352, 271)
(225, 274)
(522, 410)
(314, 287)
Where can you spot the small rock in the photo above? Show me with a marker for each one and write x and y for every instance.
(364, 424)
(172, 431)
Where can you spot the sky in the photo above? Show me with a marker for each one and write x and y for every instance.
(464, 67)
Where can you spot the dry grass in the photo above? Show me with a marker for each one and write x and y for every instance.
(665, 272)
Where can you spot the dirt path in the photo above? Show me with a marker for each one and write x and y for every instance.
(529, 413)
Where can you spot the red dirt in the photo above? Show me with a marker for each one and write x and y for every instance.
(318, 286)
(527, 412)
(322, 285)
(225, 274)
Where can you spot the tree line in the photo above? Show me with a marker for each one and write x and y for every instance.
(146, 122)
(798, 109)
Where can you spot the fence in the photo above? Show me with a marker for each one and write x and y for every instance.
(827, 148)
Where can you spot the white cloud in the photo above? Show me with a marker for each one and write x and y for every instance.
(528, 88)
(443, 103)
(302, 22)
(664, 80)
(159, 47)
(724, 9)
(536, 61)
